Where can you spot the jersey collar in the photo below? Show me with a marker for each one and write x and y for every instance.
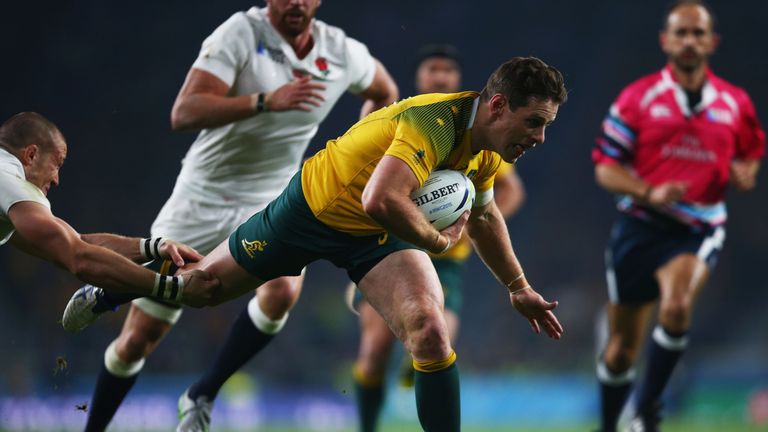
(11, 164)
(708, 92)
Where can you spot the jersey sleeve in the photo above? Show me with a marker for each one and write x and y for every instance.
(361, 66)
(751, 138)
(14, 190)
(484, 179)
(225, 52)
(616, 142)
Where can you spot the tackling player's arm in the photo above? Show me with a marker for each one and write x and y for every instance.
(387, 200)
(382, 92)
(130, 247)
(39, 233)
(617, 179)
(204, 101)
(488, 231)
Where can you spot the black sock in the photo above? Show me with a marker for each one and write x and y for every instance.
(665, 350)
(110, 301)
(614, 390)
(370, 397)
(107, 396)
(438, 402)
(243, 342)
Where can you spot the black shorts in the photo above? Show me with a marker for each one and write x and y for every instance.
(637, 248)
(286, 236)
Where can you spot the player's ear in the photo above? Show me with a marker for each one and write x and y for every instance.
(498, 104)
(715, 42)
(28, 154)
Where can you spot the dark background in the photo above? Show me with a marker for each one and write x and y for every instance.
(108, 72)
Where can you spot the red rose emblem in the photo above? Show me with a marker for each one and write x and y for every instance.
(321, 64)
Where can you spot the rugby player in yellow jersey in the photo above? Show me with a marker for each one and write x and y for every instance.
(351, 205)
(437, 71)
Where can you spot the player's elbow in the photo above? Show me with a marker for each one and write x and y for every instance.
(181, 117)
(375, 204)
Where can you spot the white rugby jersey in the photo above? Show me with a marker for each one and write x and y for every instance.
(250, 161)
(14, 188)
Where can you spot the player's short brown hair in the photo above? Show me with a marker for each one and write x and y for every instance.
(523, 79)
(28, 128)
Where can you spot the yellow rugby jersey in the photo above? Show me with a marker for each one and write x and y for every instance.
(427, 132)
(463, 248)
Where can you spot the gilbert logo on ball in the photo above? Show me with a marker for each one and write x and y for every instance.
(445, 195)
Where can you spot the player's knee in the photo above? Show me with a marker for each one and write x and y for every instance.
(135, 344)
(278, 297)
(675, 314)
(619, 357)
(427, 338)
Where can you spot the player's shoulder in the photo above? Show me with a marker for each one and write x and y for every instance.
(446, 99)
(334, 41)
(724, 86)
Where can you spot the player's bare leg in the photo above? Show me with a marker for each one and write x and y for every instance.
(376, 342)
(680, 281)
(404, 289)
(627, 328)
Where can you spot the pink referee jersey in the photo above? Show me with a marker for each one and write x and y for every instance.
(651, 130)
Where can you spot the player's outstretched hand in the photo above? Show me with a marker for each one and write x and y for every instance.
(538, 311)
(179, 253)
(298, 94)
(200, 288)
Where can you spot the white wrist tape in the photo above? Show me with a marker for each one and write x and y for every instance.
(150, 247)
(168, 287)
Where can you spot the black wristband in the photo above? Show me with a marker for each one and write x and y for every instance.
(260, 105)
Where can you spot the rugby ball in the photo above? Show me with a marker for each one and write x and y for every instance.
(445, 195)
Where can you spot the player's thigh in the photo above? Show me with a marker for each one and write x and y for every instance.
(235, 280)
(404, 289)
(682, 278)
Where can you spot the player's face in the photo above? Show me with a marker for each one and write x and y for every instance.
(292, 17)
(688, 39)
(43, 170)
(515, 132)
(438, 75)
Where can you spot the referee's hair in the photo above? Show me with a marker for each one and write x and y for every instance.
(680, 3)
(523, 79)
(28, 128)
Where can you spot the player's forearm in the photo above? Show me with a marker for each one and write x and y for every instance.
(618, 179)
(491, 240)
(401, 218)
(128, 247)
(109, 270)
(205, 111)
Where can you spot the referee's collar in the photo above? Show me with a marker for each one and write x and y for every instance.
(11, 164)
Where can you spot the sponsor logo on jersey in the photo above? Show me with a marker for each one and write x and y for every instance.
(471, 173)
(251, 247)
(718, 115)
(660, 110)
(275, 54)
